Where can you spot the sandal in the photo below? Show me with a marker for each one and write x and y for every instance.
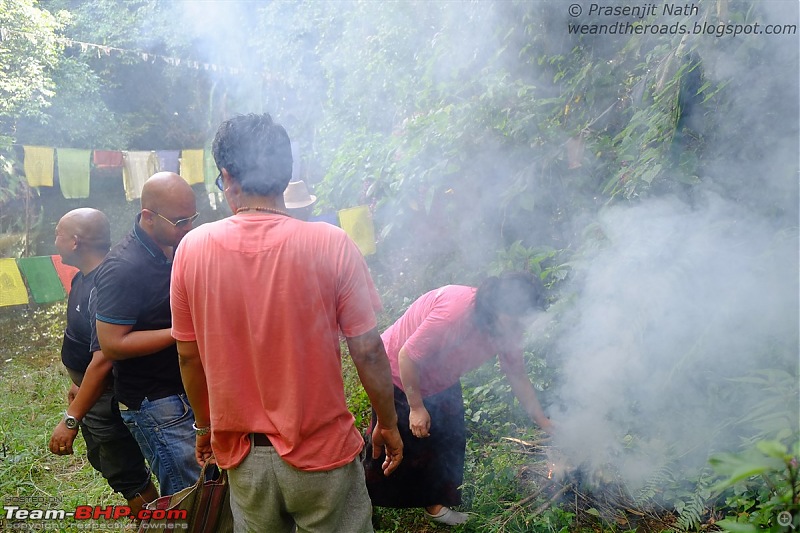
(448, 517)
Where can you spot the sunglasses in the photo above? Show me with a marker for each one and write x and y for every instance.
(219, 181)
(181, 222)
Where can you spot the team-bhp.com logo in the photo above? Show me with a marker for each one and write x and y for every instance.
(95, 512)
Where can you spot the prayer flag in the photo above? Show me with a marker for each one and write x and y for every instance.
(136, 168)
(168, 160)
(357, 223)
(43, 280)
(65, 272)
(73, 172)
(12, 288)
(107, 159)
(38, 165)
(192, 166)
(210, 170)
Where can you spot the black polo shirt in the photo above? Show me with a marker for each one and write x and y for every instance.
(132, 289)
(76, 351)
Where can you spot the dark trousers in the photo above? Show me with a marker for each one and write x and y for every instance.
(432, 470)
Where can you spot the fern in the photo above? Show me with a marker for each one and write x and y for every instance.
(690, 511)
(663, 477)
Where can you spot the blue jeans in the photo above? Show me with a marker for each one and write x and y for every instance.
(163, 429)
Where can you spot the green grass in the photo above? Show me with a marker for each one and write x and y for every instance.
(34, 397)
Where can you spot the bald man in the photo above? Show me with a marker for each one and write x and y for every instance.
(83, 237)
(133, 323)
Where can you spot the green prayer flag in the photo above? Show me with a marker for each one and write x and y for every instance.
(73, 172)
(42, 278)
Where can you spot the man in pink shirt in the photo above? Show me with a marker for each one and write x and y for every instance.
(443, 335)
(258, 302)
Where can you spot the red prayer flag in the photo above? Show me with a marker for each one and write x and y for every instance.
(65, 272)
(107, 159)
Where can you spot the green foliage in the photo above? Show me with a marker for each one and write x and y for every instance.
(495, 484)
(79, 95)
(28, 53)
(759, 484)
(35, 389)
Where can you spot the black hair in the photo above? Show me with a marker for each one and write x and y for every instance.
(256, 152)
(512, 293)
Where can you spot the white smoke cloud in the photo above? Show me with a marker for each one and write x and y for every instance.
(677, 301)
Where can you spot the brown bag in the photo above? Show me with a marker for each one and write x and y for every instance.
(204, 507)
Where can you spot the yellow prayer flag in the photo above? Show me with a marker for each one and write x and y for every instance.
(12, 288)
(38, 165)
(357, 223)
(192, 166)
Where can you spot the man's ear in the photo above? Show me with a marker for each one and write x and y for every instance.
(230, 184)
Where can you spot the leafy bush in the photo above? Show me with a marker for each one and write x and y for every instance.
(762, 486)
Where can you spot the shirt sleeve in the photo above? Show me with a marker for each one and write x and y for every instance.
(357, 298)
(118, 296)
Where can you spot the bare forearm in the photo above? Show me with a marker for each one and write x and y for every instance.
(127, 345)
(95, 382)
(410, 378)
(526, 394)
(372, 364)
(194, 381)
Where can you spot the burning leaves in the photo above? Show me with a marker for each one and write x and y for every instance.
(555, 483)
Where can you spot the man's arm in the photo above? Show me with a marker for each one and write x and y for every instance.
(95, 381)
(194, 381)
(419, 420)
(119, 341)
(369, 357)
(525, 393)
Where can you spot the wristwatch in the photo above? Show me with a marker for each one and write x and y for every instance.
(200, 431)
(70, 421)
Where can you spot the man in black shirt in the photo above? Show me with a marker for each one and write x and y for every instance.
(133, 321)
(83, 237)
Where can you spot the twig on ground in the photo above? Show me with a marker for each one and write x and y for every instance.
(552, 499)
(531, 444)
(532, 496)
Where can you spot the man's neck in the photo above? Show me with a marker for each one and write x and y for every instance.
(89, 262)
(168, 250)
(251, 200)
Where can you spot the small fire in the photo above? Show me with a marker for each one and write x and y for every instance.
(550, 471)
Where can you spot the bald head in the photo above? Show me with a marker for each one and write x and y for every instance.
(164, 189)
(90, 228)
(168, 209)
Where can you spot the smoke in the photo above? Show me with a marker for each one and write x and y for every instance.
(677, 301)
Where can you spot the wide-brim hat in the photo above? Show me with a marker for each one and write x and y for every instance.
(296, 195)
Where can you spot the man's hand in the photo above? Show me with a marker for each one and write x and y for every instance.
(387, 440)
(62, 439)
(419, 420)
(202, 448)
(73, 392)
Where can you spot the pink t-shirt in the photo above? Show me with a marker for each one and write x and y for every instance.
(265, 297)
(441, 339)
